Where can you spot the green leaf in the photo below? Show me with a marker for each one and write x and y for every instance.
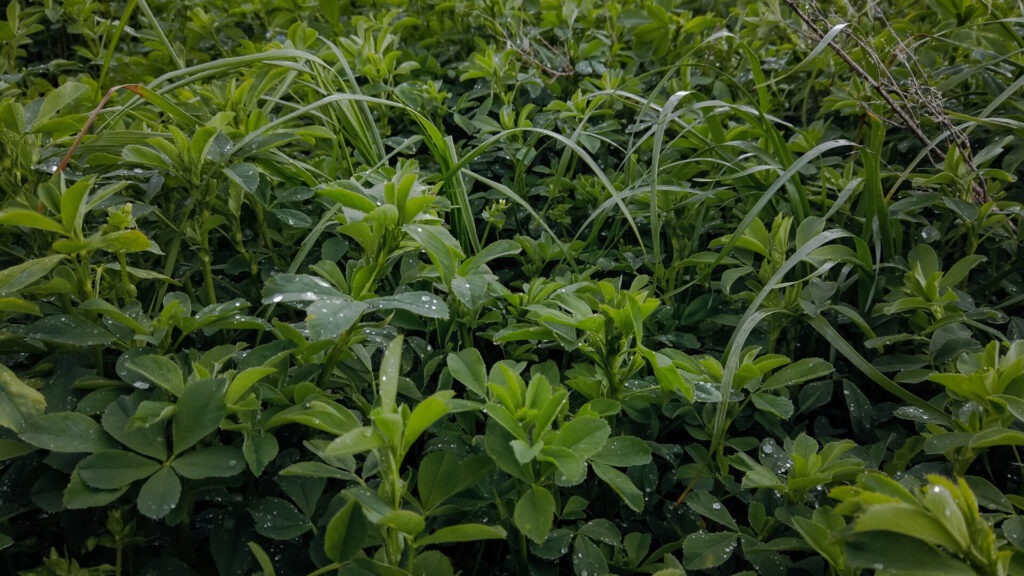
(328, 318)
(797, 373)
(57, 99)
(901, 555)
(442, 474)
(405, 521)
(10, 449)
(123, 241)
(158, 370)
(584, 435)
(14, 278)
(587, 558)
(390, 372)
(419, 303)
(315, 470)
(432, 563)
(623, 451)
(704, 550)
(326, 416)
(72, 206)
(65, 432)
(278, 519)
(535, 513)
(29, 219)
(66, 329)
(299, 288)
(346, 533)
(245, 175)
(111, 469)
(780, 406)
(462, 533)
(467, 366)
(569, 463)
(602, 530)
(244, 380)
(430, 410)
(18, 401)
(906, 519)
(211, 462)
(440, 246)
(263, 559)
(621, 484)
(160, 494)
(78, 495)
(259, 448)
(708, 506)
(353, 442)
(12, 305)
(200, 410)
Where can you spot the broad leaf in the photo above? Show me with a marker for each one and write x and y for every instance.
(210, 462)
(157, 370)
(345, 533)
(160, 494)
(111, 469)
(462, 533)
(199, 412)
(534, 513)
(278, 519)
(65, 432)
(18, 401)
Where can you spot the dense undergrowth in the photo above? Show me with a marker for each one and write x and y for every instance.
(511, 287)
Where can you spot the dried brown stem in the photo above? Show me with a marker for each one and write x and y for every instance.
(92, 118)
(909, 123)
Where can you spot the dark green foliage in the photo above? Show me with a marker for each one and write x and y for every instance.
(514, 287)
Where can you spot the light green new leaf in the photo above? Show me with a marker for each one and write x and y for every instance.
(467, 366)
(390, 371)
(430, 410)
(405, 521)
(72, 204)
(244, 380)
(906, 519)
(462, 533)
(29, 219)
(18, 401)
(158, 370)
(14, 278)
(797, 373)
(353, 442)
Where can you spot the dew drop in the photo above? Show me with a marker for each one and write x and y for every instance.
(142, 385)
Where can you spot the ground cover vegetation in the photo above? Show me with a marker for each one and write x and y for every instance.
(511, 287)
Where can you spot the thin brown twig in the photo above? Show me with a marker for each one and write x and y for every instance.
(92, 118)
(908, 122)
